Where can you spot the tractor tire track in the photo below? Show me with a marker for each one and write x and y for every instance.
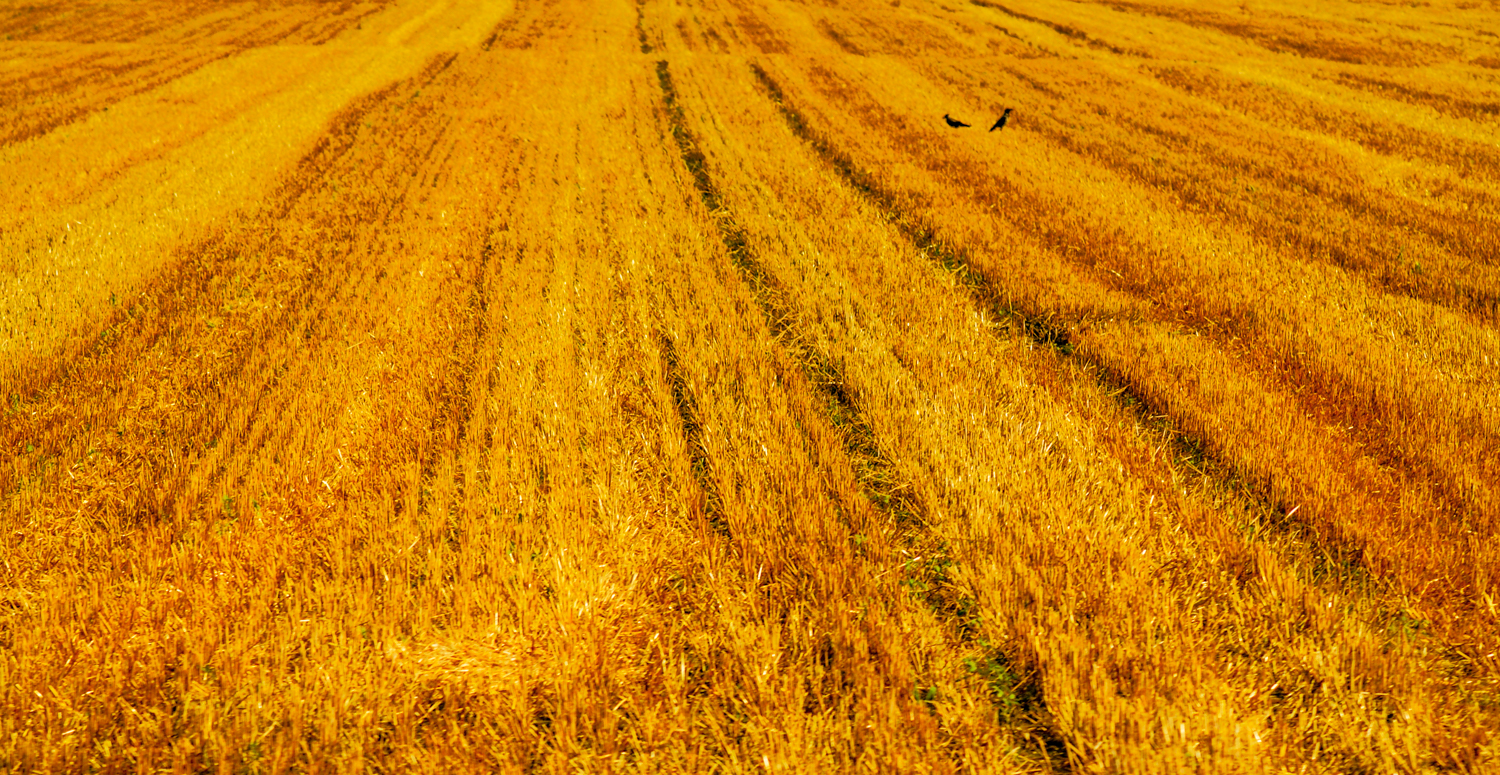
(1192, 452)
(877, 474)
(686, 405)
(1103, 250)
(780, 316)
(1333, 557)
(1378, 230)
(1457, 243)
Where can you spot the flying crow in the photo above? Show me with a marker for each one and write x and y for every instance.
(1001, 123)
(953, 122)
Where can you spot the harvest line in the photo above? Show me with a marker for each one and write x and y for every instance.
(692, 431)
(1062, 29)
(1337, 551)
(928, 579)
(1189, 451)
(840, 406)
(1099, 249)
(1329, 557)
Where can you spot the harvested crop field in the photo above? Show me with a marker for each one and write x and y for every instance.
(663, 385)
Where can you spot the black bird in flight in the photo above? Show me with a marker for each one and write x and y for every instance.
(953, 122)
(1001, 123)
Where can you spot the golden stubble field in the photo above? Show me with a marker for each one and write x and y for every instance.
(566, 386)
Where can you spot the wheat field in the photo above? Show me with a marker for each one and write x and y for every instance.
(663, 386)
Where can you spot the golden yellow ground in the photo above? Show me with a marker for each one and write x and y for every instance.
(555, 385)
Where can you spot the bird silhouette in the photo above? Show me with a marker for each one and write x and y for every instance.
(953, 122)
(1001, 123)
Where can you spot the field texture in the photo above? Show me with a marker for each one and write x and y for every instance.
(662, 385)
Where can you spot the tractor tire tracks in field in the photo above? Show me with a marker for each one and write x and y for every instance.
(1015, 704)
(649, 385)
(692, 432)
(1414, 468)
(1036, 323)
(1042, 327)
(1192, 455)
